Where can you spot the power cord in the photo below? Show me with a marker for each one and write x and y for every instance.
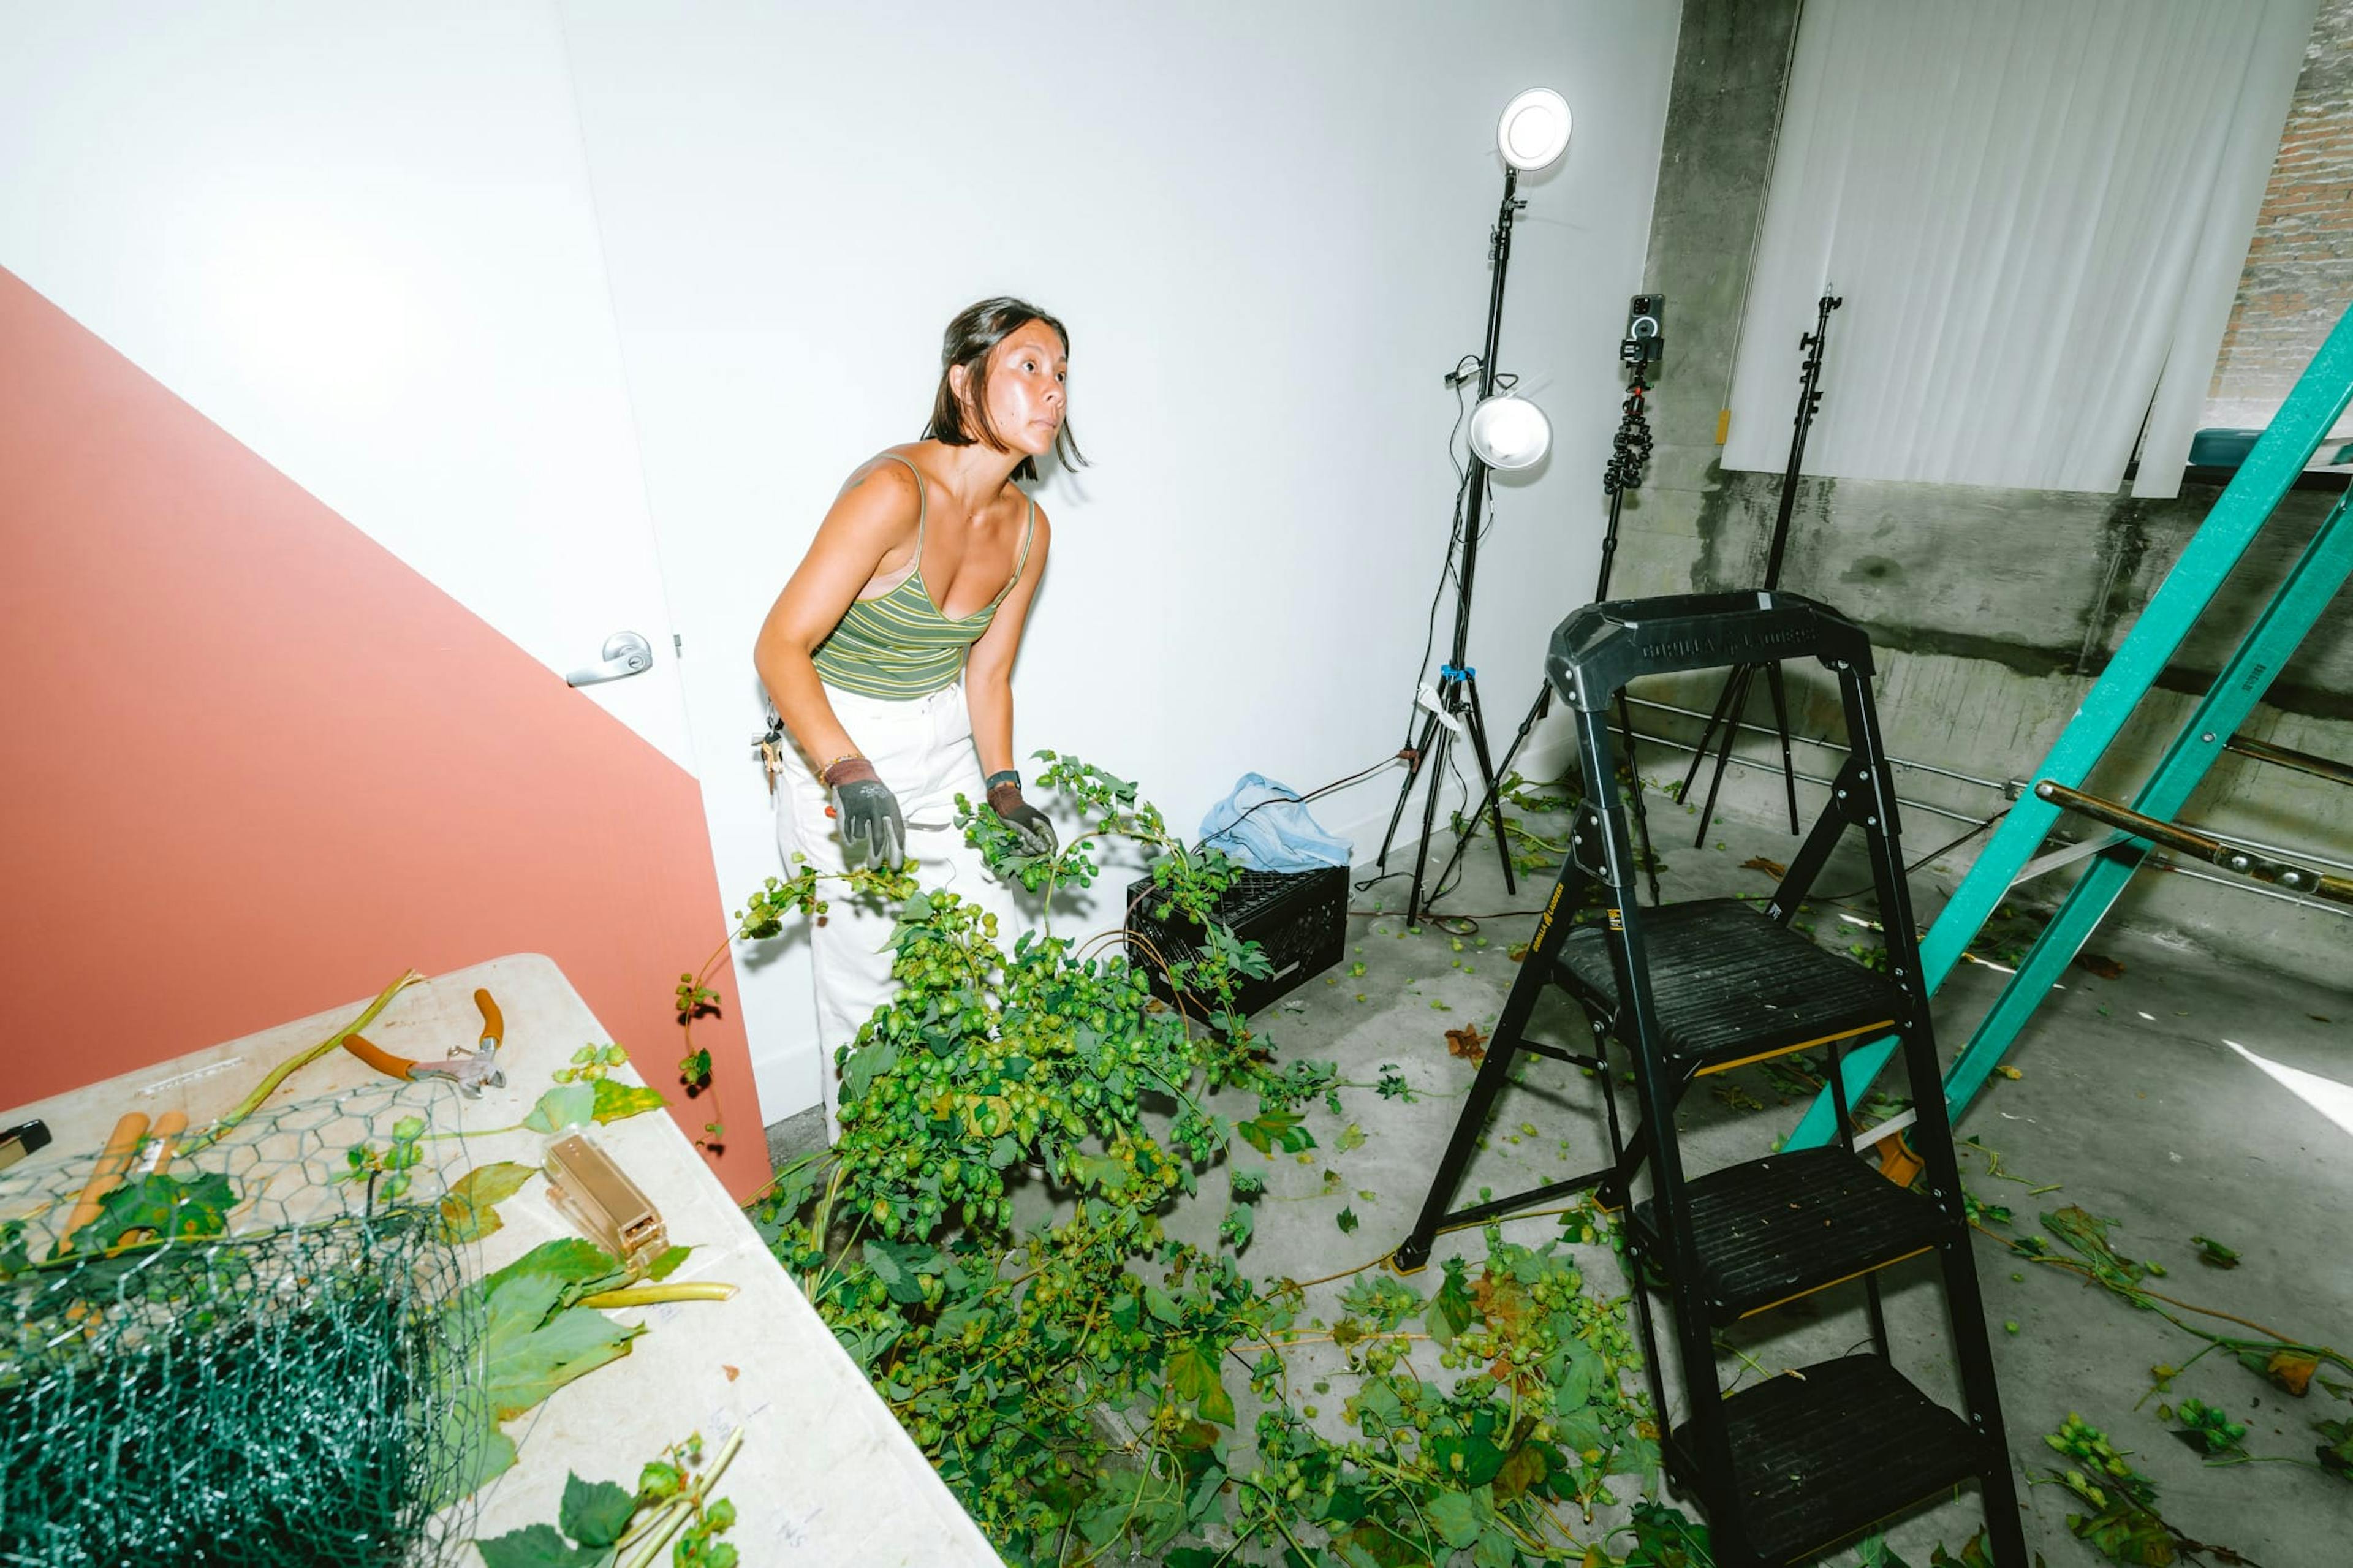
(1316, 793)
(1931, 854)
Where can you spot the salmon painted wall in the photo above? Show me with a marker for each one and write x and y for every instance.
(253, 766)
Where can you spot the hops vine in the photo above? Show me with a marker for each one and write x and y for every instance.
(1091, 1382)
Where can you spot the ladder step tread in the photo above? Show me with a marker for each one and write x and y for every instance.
(1732, 986)
(1821, 1455)
(1779, 1227)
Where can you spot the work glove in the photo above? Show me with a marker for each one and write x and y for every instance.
(1030, 825)
(872, 831)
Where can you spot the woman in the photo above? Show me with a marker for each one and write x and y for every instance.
(889, 656)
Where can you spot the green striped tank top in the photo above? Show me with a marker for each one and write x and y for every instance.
(898, 646)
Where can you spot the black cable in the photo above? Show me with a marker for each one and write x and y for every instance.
(1931, 854)
(1316, 793)
(1455, 765)
(1429, 631)
(1453, 542)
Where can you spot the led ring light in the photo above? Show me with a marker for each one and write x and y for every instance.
(1534, 130)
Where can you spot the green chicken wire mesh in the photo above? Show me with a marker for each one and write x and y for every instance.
(267, 1353)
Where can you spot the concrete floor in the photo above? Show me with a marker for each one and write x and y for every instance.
(2131, 1101)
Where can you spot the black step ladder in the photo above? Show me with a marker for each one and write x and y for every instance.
(1793, 1466)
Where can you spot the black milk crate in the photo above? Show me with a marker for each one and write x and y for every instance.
(1300, 918)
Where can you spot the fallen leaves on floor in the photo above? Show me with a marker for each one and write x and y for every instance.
(2088, 1235)
(1468, 1043)
(2101, 964)
(2335, 1450)
(1773, 869)
(2213, 1254)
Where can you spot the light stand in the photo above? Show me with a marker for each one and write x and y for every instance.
(1505, 432)
(1732, 703)
(1455, 712)
(1630, 453)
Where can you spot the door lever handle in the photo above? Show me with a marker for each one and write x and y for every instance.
(625, 654)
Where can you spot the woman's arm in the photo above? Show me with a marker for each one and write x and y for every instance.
(988, 672)
(873, 515)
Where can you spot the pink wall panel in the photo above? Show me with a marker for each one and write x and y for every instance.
(251, 765)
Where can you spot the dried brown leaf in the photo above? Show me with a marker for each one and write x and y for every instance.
(2101, 964)
(1467, 1042)
(1770, 867)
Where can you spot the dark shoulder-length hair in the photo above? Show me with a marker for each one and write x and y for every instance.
(977, 330)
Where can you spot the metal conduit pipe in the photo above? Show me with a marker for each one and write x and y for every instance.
(1641, 739)
(2179, 869)
(2158, 856)
(2002, 786)
(2005, 788)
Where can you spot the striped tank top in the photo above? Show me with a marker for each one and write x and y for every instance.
(898, 646)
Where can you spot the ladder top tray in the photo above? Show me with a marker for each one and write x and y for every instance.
(1602, 646)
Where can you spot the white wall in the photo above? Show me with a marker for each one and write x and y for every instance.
(359, 239)
(1266, 228)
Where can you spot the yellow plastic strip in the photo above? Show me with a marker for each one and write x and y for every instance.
(1801, 1045)
(1842, 1279)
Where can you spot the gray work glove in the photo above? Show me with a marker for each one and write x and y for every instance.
(1029, 824)
(872, 831)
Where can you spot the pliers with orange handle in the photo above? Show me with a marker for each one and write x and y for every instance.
(472, 1070)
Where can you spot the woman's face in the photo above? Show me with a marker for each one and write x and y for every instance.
(1026, 388)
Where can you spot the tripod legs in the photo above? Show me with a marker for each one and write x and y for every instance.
(1731, 709)
(1422, 758)
(1430, 748)
(1781, 724)
(1634, 793)
(1735, 704)
(1487, 772)
(1537, 711)
(1724, 698)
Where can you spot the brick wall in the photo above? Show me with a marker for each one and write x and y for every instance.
(2299, 272)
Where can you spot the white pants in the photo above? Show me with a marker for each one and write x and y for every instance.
(924, 752)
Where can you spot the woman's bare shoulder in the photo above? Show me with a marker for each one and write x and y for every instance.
(885, 477)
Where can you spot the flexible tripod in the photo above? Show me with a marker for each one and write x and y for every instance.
(1453, 708)
(1630, 453)
(1732, 703)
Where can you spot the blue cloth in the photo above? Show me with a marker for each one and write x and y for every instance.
(1280, 836)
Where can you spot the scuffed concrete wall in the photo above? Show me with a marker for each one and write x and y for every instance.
(1994, 610)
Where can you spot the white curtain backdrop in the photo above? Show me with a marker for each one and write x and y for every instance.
(2036, 211)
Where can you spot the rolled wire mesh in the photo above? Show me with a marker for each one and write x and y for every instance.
(295, 1386)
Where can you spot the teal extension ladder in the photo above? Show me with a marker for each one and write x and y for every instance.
(2320, 397)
